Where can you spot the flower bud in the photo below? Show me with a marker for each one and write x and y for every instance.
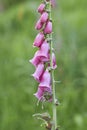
(44, 17)
(41, 8)
(38, 40)
(38, 25)
(39, 71)
(48, 28)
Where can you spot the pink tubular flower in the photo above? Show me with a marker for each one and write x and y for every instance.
(44, 17)
(41, 8)
(35, 60)
(39, 71)
(38, 25)
(45, 80)
(43, 53)
(48, 28)
(44, 94)
(38, 40)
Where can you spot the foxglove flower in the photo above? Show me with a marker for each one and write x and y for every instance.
(48, 27)
(44, 17)
(38, 40)
(45, 80)
(43, 53)
(44, 90)
(35, 60)
(39, 25)
(41, 8)
(44, 94)
(39, 71)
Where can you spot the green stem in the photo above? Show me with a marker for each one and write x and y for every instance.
(52, 76)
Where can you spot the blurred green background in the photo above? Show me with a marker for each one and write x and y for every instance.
(17, 33)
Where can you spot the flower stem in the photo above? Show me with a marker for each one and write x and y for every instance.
(52, 76)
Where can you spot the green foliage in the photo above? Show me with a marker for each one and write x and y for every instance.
(9, 3)
(17, 33)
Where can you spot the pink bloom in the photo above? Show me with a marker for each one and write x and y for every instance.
(35, 60)
(43, 53)
(38, 25)
(44, 17)
(45, 80)
(48, 28)
(41, 8)
(39, 94)
(38, 40)
(39, 71)
(44, 94)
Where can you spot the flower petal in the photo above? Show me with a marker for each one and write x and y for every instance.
(38, 40)
(44, 17)
(39, 71)
(48, 28)
(41, 8)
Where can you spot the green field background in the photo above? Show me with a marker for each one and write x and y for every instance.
(17, 33)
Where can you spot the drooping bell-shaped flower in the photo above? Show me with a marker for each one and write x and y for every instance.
(39, 25)
(35, 60)
(44, 94)
(44, 17)
(39, 71)
(45, 80)
(43, 53)
(41, 8)
(39, 40)
(48, 27)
